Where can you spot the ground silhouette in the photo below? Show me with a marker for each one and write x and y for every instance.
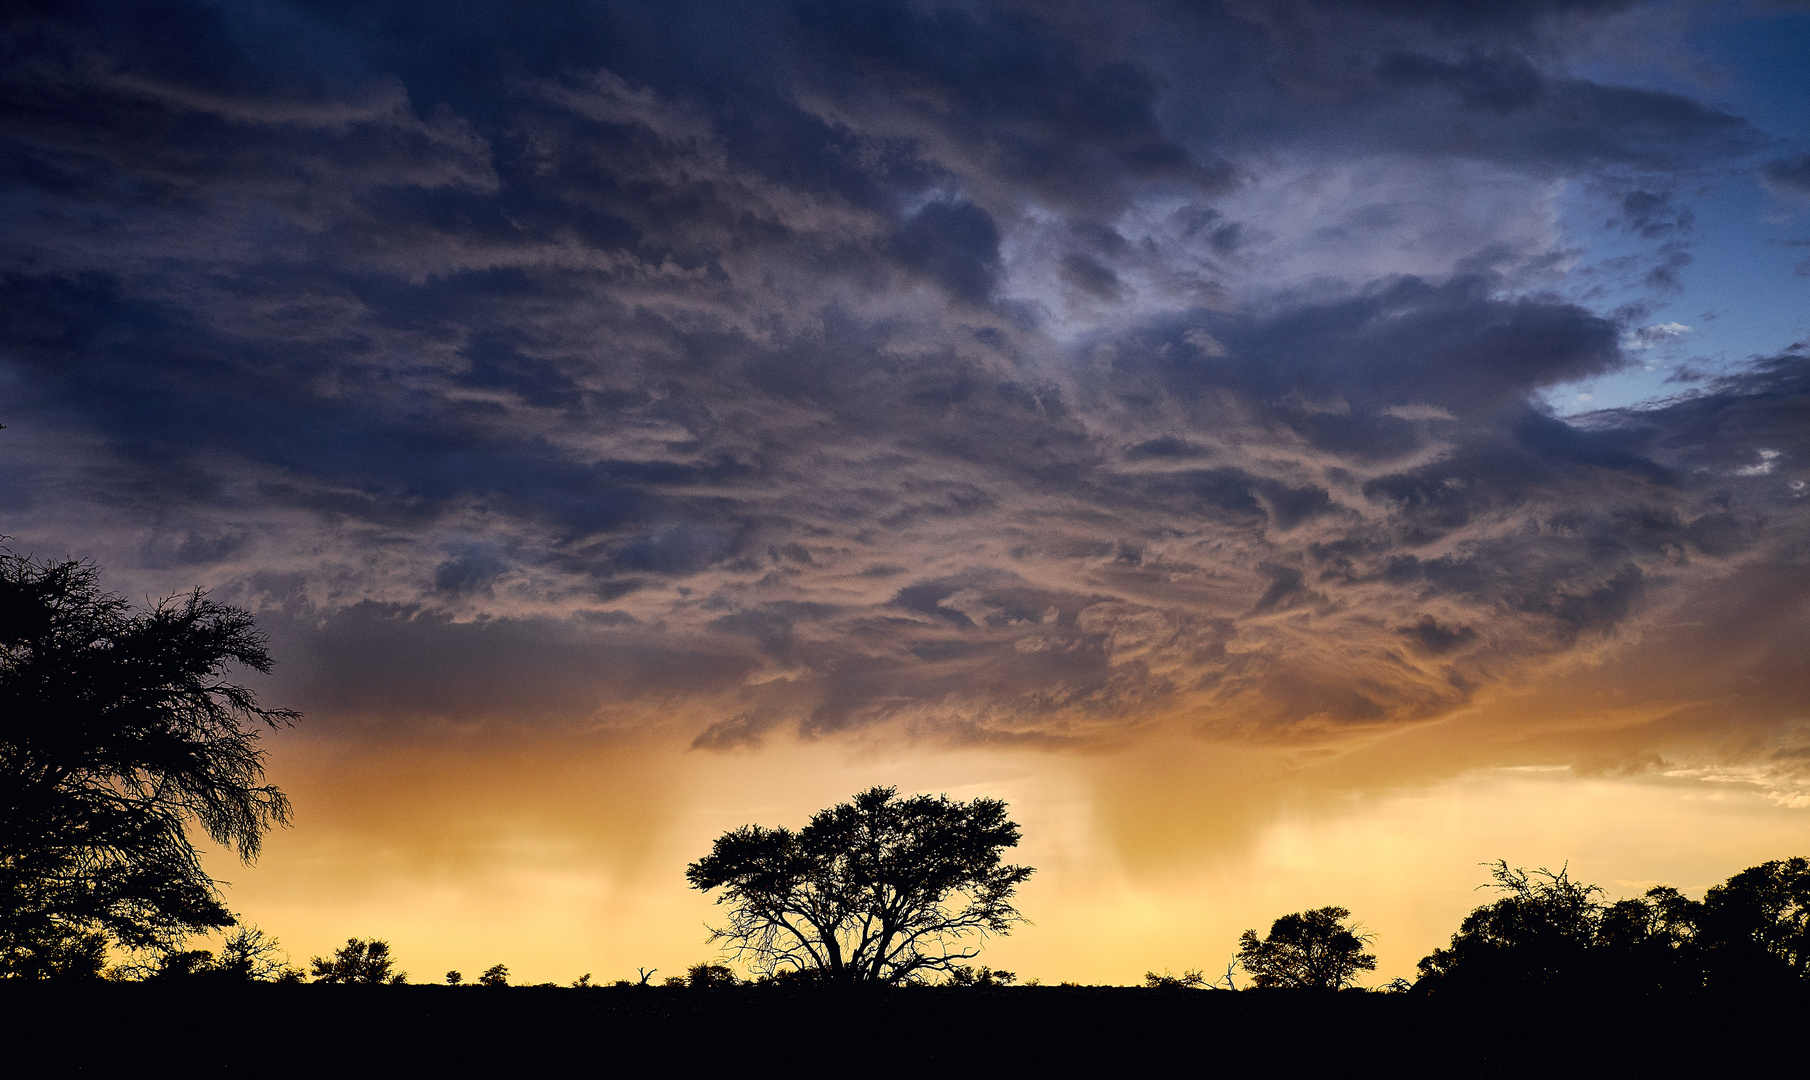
(885, 1031)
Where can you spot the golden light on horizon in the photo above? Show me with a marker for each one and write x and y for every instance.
(579, 867)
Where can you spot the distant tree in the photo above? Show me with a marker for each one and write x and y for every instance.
(495, 975)
(583, 982)
(1539, 935)
(48, 948)
(795, 977)
(877, 890)
(1646, 943)
(248, 955)
(1187, 980)
(962, 975)
(361, 962)
(1552, 933)
(454, 978)
(1309, 950)
(181, 964)
(1755, 927)
(251, 955)
(708, 976)
(118, 730)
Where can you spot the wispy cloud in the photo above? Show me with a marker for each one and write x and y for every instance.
(978, 373)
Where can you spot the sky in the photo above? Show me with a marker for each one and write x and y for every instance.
(1294, 452)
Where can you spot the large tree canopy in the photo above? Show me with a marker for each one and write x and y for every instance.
(117, 730)
(1309, 950)
(878, 890)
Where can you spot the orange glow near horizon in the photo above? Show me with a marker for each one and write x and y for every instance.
(563, 853)
(570, 859)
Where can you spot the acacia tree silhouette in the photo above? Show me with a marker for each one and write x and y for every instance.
(117, 730)
(1309, 950)
(877, 890)
(358, 962)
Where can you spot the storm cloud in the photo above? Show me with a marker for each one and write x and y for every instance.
(979, 372)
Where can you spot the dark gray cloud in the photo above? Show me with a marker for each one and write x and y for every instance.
(1791, 175)
(1456, 14)
(1469, 81)
(989, 372)
(1567, 122)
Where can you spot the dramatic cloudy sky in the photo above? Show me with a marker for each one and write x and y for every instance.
(1295, 450)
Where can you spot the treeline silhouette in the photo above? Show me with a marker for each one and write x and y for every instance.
(1547, 933)
(1547, 974)
(1552, 933)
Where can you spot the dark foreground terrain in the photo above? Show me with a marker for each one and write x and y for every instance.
(260, 1029)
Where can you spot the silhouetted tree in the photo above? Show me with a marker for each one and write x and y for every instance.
(495, 975)
(708, 976)
(1309, 950)
(1188, 980)
(1647, 943)
(117, 730)
(454, 978)
(792, 976)
(1538, 935)
(181, 964)
(1754, 928)
(878, 890)
(37, 945)
(248, 955)
(963, 975)
(363, 962)
(1551, 932)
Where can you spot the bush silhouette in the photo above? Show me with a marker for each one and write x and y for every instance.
(708, 976)
(1187, 980)
(358, 962)
(981, 976)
